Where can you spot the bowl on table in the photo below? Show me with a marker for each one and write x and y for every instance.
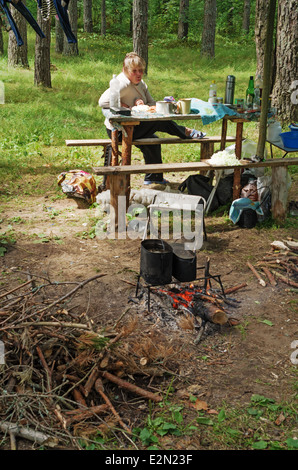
(290, 139)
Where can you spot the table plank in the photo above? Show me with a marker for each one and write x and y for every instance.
(191, 166)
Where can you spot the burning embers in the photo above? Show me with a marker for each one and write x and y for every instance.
(193, 300)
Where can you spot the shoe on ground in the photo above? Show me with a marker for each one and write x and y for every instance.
(164, 181)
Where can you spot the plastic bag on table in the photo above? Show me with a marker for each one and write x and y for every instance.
(248, 150)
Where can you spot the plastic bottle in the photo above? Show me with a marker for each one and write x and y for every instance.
(250, 93)
(115, 94)
(213, 93)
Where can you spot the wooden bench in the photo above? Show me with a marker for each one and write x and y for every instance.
(279, 169)
(207, 143)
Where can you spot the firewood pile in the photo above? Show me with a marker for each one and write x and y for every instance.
(60, 369)
(279, 267)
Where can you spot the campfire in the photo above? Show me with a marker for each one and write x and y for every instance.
(198, 301)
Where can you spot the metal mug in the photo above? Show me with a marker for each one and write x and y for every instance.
(163, 107)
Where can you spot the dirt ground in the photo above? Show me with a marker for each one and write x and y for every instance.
(254, 357)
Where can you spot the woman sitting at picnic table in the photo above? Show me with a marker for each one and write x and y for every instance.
(134, 92)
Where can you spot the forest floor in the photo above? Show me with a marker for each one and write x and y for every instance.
(231, 364)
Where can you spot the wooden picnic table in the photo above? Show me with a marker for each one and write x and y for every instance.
(127, 123)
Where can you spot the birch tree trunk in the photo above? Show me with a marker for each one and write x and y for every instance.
(18, 55)
(42, 64)
(284, 97)
(140, 29)
(208, 36)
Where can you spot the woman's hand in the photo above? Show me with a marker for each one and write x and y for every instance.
(139, 102)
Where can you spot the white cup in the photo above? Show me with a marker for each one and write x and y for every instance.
(183, 106)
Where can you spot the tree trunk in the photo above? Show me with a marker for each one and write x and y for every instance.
(59, 36)
(18, 55)
(284, 97)
(1, 38)
(140, 29)
(208, 36)
(103, 29)
(72, 49)
(88, 25)
(42, 65)
(266, 77)
(183, 19)
(260, 33)
(246, 16)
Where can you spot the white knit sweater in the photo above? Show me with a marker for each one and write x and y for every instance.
(129, 93)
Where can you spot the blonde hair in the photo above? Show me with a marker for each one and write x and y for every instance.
(133, 60)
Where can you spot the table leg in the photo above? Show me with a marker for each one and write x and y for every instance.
(115, 148)
(224, 127)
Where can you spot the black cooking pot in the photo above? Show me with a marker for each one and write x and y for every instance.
(184, 264)
(156, 262)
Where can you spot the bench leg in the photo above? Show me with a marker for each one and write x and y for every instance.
(279, 196)
(207, 150)
(119, 186)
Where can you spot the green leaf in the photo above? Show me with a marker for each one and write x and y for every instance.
(254, 412)
(292, 443)
(221, 416)
(260, 445)
(203, 420)
(275, 446)
(261, 400)
(233, 432)
(178, 417)
(267, 322)
(3, 250)
(145, 434)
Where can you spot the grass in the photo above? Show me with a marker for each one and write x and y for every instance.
(35, 122)
(262, 424)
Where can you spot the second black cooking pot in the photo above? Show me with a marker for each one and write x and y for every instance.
(184, 264)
